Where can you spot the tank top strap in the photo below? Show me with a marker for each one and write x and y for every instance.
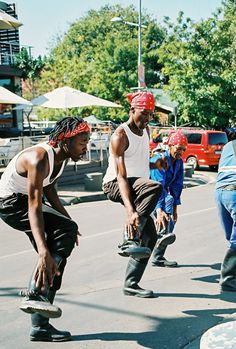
(50, 153)
(131, 134)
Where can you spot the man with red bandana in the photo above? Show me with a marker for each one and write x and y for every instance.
(127, 182)
(30, 175)
(171, 175)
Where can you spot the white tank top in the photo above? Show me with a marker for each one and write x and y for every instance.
(136, 157)
(11, 182)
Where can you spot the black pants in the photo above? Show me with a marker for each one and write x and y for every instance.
(145, 194)
(60, 231)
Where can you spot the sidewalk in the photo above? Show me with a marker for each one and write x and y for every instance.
(75, 194)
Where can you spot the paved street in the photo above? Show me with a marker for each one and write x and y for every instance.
(95, 310)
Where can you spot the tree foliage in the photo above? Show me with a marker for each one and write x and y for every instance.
(195, 62)
(31, 68)
(200, 68)
(99, 57)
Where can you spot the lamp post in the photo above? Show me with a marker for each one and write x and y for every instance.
(141, 77)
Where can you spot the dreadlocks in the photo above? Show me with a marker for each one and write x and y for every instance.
(66, 128)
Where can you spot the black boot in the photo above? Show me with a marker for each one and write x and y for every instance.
(159, 260)
(41, 330)
(36, 301)
(228, 272)
(134, 273)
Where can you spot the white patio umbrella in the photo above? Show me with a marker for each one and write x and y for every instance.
(8, 22)
(8, 97)
(91, 119)
(67, 97)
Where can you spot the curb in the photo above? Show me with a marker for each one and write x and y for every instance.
(189, 182)
(73, 200)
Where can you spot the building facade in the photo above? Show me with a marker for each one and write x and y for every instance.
(10, 76)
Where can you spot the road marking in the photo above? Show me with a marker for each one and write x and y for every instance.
(16, 254)
(107, 232)
(84, 238)
(103, 233)
(198, 211)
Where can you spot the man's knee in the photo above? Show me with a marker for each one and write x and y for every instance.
(63, 240)
(71, 237)
(156, 188)
(155, 191)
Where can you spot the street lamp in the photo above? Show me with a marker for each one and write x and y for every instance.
(141, 78)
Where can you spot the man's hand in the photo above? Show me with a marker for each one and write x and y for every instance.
(132, 224)
(161, 220)
(45, 270)
(160, 164)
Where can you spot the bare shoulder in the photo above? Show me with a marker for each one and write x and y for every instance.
(36, 154)
(120, 132)
(119, 140)
(35, 157)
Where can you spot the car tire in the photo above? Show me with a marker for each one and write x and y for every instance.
(193, 161)
(213, 168)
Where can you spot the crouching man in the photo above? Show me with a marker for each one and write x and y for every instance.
(30, 175)
(127, 181)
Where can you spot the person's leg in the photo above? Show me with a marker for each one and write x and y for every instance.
(165, 238)
(137, 266)
(61, 236)
(61, 233)
(145, 194)
(226, 201)
(42, 330)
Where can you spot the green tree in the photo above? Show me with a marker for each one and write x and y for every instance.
(31, 68)
(100, 58)
(199, 68)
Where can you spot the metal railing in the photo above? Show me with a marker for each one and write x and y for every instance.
(9, 147)
(8, 51)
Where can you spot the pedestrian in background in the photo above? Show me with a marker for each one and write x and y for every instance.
(167, 168)
(127, 182)
(30, 175)
(225, 195)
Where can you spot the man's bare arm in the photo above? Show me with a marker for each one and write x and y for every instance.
(37, 168)
(119, 144)
(54, 200)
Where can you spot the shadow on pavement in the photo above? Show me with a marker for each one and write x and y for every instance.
(10, 291)
(213, 279)
(166, 333)
(215, 266)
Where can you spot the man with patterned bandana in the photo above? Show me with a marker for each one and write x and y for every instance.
(171, 176)
(30, 175)
(127, 182)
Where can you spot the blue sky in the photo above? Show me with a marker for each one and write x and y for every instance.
(44, 19)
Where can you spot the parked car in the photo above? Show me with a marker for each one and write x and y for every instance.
(204, 146)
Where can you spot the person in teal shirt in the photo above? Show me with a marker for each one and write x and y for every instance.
(225, 195)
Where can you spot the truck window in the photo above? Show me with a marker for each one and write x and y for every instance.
(194, 138)
(217, 138)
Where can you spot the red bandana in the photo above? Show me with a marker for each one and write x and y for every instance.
(142, 100)
(82, 127)
(178, 138)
